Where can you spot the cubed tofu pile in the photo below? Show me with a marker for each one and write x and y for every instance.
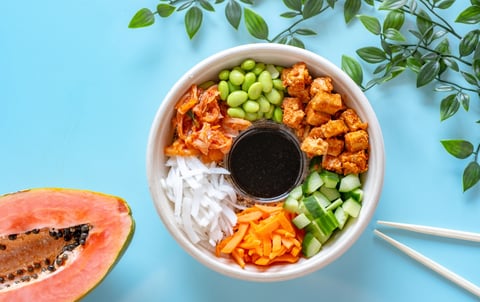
(322, 122)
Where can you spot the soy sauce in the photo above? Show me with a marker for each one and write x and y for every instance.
(265, 162)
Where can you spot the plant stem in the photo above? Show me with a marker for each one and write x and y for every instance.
(457, 85)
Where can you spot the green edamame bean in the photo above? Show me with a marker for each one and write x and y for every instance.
(236, 77)
(223, 89)
(266, 79)
(278, 115)
(250, 78)
(274, 96)
(278, 84)
(251, 106)
(251, 116)
(232, 87)
(248, 64)
(264, 104)
(269, 113)
(224, 74)
(237, 98)
(255, 90)
(259, 67)
(236, 112)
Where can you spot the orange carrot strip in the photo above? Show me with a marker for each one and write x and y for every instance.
(238, 255)
(235, 239)
(249, 217)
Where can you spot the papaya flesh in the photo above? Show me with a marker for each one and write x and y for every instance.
(58, 244)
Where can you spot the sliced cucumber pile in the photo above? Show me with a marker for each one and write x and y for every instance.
(323, 204)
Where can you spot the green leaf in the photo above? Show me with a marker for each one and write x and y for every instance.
(248, 1)
(165, 10)
(296, 42)
(445, 4)
(427, 73)
(305, 32)
(233, 13)
(185, 5)
(143, 18)
(353, 69)
(392, 4)
(372, 24)
(464, 99)
(414, 64)
(289, 15)
(469, 43)
(458, 147)
(444, 88)
(193, 21)
(448, 107)
(394, 35)
(206, 5)
(351, 9)
(424, 24)
(451, 63)
(471, 175)
(372, 54)
(443, 47)
(312, 8)
(394, 19)
(470, 78)
(255, 24)
(471, 15)
(295, 5)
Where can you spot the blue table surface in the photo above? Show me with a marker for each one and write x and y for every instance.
(79, 90)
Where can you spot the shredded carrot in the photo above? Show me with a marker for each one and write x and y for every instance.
(263, 235)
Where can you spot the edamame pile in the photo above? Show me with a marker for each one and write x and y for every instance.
(252, 91)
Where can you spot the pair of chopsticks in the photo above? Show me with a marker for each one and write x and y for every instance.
(441, 232)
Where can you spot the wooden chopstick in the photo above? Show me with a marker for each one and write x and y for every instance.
(441, 232)
(460, 281)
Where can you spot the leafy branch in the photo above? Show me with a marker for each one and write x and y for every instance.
(426, 49)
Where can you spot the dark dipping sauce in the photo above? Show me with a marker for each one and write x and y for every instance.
(266, 162)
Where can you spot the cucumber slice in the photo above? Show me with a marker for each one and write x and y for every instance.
(301, 221)
(327, 223)
(341, 216)
(321, 199)
(351, 207)
(356, 194)
(349, 182)
(315, 229)
(310, 245)
(335, 204)
(329, 178)
(312, 183)
(291, 204)
(296, 193)
(313, 207)
(330, 193)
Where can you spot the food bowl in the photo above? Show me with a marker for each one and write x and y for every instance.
(161, 134)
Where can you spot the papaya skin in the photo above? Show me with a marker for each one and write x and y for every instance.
(113, 228)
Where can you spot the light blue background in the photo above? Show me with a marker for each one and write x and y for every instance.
(79, 90)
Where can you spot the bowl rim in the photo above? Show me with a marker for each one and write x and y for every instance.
(376, 167)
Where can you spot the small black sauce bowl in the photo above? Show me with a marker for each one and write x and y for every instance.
(266, 162)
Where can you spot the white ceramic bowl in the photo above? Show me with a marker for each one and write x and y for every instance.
(161, 135)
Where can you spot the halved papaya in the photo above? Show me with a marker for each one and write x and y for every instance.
(58, 244)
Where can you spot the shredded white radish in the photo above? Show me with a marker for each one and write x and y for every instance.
(203, 200)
